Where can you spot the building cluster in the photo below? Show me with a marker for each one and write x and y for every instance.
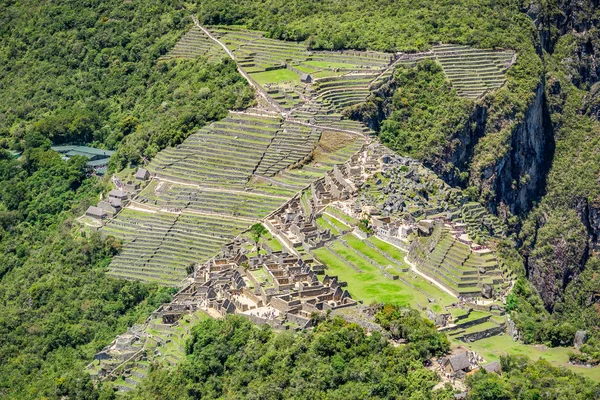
(116, 199)
(274, 288)
(461, 364)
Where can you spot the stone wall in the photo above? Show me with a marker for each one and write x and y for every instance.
(472, 337)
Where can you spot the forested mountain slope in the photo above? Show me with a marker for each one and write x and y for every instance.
(82, 72)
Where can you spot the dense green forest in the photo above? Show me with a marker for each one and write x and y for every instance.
(426, 112)
(88, 73)
(57, 306)
(232, 358)
(83, 72)
(523, 379)
(235, 359)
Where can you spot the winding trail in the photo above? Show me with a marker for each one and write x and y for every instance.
(251, 81)
(413, 268)
(218, 190)
(135, 205)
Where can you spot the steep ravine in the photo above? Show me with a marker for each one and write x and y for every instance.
(518, 179)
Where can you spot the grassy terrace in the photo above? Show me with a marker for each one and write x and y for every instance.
(159, 246)
(473, 72)
(333, 148)
(255, 53)
(479, 221)
(390, 250)
(324, 115)
(195, 43)
(244, 204)
(222, 155)
(456, 266)
(292, 144)
(333, 224)
(275, 76)
(348, 220)
(492, 348)
(343, 91)
(165, 345)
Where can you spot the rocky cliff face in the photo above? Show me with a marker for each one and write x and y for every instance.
(555, 19)
(518, 179)
(557, 253)
(562, 239)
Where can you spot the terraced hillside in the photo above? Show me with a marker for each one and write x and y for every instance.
(195, 43)
(162, 344)
(241, 168)
(158, 246)
(344, 91)
(473, 72)
(376, 272)
(481, 225)
(316, 113)
(206, 191)
(256, 53)
(225, 153)
(463, 270)
(333, 148)
(291, 144)
(178, 196)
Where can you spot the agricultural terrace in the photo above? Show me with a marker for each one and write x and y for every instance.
(493, 347)
(454, 264)
(473, 72)
(163, 344)
(317, 113)
(292, 144)
(195, 43)
(170, 195)
(224, 154)
(481, 225)
(256, 54)
(344, 91)
(376, 271)
(159, 246)
(288, 95)
(208, 189)
(333, 148)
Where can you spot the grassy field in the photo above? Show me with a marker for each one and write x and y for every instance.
(360, 246)
(304, 68)
(341, 216)
(387, 248)
(339, 225)
(275, 76)
(370, 285)
(492, 348)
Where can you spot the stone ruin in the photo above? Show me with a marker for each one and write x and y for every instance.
(125, 347)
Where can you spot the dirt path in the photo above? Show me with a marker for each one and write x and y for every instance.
(217, 190)
(430, 280)
(134, 205)
(260, 90)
